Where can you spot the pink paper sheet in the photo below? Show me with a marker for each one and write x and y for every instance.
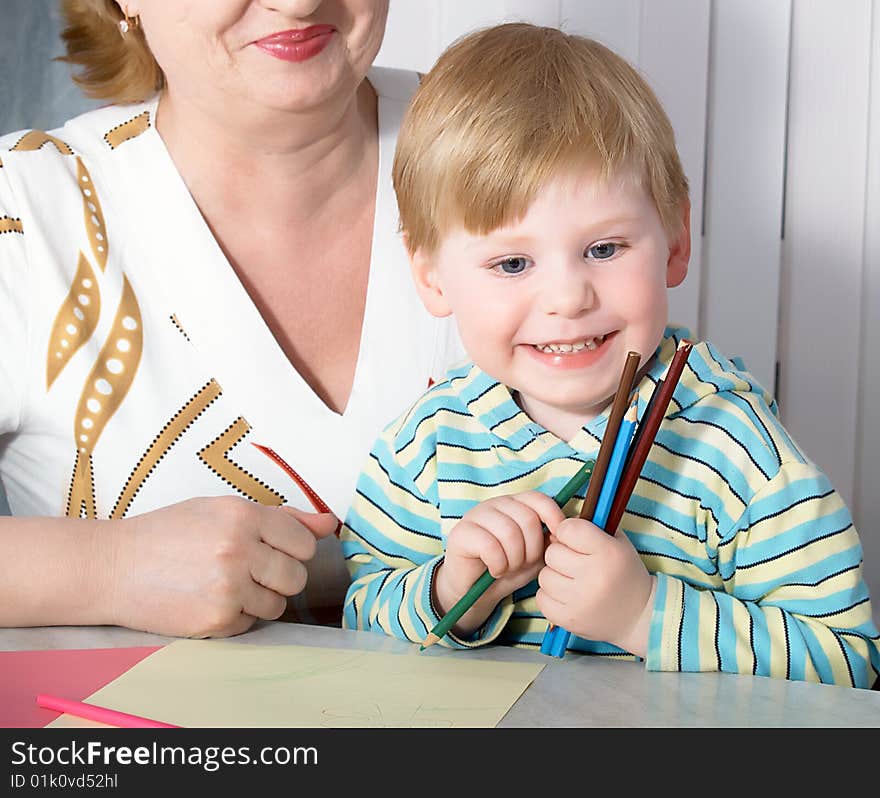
(68, 673)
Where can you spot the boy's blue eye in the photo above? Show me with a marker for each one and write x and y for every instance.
(516, 265)
(603, 250)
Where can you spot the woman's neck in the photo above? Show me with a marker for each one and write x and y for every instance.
(293, 161)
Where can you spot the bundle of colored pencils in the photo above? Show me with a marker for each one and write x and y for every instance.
(622, 454)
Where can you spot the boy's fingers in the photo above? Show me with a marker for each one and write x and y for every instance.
(547, 509)
(480, 544)
(554, 582)
(553, 610)
(508, 532)
(581, 536)
(563, 560)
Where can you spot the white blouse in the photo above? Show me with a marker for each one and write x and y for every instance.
(135, 371)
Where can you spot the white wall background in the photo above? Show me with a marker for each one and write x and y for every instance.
(776, 107)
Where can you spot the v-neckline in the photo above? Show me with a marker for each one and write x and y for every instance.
(219, 271)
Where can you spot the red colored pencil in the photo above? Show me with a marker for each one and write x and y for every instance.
(316, 501)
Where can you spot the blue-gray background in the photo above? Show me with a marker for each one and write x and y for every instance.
(35, 91)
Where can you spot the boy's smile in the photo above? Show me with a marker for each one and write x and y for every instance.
(551, 303)
(571, 354)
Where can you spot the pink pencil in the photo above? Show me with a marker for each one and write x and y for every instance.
(101, 714)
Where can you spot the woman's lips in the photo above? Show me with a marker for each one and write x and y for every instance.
(298, 44)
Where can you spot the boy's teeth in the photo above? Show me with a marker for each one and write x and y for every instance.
(587, 343)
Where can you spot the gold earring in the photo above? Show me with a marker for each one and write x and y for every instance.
(127, 23)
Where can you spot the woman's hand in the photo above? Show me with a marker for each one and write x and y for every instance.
(210, 567)
(596, 586)
(505, 536)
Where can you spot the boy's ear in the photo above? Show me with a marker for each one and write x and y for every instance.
(425, 276)
(680, 250)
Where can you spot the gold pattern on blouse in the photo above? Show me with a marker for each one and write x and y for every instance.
(214, 455)
(176, 322)
(81, 496)
(92, 215)
(104, 390)
(127, 130)
(38, 138)
(179, 423)
(10, 225)
(75, 321)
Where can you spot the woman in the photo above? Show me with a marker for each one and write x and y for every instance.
(202, 288)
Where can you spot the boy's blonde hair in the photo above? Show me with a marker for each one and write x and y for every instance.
(507, 108)
(117, 68)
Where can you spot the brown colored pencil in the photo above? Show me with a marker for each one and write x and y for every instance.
(618, 408)
(651, 424)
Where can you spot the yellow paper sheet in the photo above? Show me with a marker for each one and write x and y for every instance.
(211, 683)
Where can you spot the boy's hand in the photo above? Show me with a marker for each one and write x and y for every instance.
(505, 536)
(209, 567)
(596, 586)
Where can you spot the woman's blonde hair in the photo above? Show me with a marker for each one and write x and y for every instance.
(117, 68)
(507, 108)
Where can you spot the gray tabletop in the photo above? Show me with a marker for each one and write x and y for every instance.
(577, 691)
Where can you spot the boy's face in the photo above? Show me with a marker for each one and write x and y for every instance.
(551, 304)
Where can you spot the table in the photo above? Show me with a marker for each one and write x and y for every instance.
(577, 691)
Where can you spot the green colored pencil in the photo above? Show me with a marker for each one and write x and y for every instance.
(482, 584)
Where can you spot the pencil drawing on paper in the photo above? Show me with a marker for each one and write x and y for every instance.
(199, 683)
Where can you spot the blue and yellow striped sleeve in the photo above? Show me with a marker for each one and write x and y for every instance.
(392, 545)
(794, 603)
(392, 539)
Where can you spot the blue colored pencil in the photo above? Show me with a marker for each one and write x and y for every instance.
(556, 640)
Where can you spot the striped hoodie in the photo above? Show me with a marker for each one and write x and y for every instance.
(758, 563)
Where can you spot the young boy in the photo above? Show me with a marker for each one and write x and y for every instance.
(543, 204)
